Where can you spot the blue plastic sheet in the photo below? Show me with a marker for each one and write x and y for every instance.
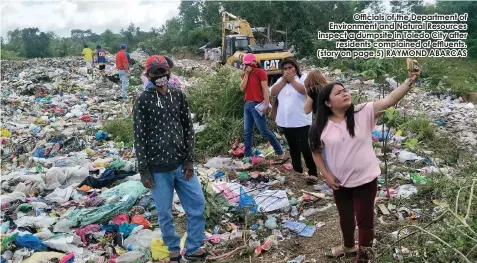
(379, 135)
(109, 228)
(300, 228)
(246, 200)
(31, 242)
(101, 135)
(126, 229)
(39, 152)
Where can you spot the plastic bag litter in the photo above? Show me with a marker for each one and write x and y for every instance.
(300, 228)
(38, 205)
(41, 221)
(223, 163)
(406, 190)
(140, 220)
(44, 234)
(131, 256)
(67, 243)
(405, 156)
(126, 193)
(126, 229)
(247, 201)
(60, 195)
(5, 227)
(31, 242)
(43, 256)
(140, 237)
(20, 254)
(158, 249)
(271, 200)
(12, 197)
(65, 176)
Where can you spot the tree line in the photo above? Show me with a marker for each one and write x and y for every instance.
(199, 23)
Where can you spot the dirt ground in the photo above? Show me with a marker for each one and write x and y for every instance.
(313, 248)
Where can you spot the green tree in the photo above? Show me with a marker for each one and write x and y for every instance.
(36, 43)
(110, 41)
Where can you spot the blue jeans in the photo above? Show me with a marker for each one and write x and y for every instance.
(251, 117)
(124, 82)
(192, 200)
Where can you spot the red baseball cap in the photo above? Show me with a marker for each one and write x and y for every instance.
(156, 62)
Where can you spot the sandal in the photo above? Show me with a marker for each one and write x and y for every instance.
(177, 259)
(198, 257)
(280, 161)
(337, 252)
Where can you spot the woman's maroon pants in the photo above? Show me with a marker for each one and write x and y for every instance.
(357, 202)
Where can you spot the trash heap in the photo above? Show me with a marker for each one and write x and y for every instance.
(69, 192)
(72, 194)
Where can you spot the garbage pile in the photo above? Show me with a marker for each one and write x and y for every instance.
(72, 194)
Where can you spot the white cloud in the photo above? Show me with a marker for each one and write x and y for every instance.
(98, 15)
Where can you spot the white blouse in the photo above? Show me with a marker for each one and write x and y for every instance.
(291, 103)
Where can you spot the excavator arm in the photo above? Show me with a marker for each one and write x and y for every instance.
(234, 25)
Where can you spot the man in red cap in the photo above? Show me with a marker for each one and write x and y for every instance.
(164, 145)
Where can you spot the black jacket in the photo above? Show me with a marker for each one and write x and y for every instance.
(163, 132)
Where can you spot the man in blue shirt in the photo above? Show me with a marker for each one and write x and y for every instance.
(101, 59)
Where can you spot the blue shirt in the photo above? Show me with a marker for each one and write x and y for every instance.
(101, 56)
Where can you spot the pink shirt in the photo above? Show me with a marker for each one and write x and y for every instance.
(352, 160)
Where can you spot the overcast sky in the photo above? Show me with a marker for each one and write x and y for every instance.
(61, 16)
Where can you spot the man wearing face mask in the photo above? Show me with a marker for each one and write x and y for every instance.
(164, 145)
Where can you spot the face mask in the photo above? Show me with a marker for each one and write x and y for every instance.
(160, 81)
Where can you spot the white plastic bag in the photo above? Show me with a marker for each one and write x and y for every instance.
(405, 156)
(54, 178)
(140, 237)
(44, 234)
(60, 195)
(406, 190)
(12, 197)
(41, 221)
(67, 243)
(271, 200)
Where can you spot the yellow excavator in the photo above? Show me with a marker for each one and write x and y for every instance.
(238, 40)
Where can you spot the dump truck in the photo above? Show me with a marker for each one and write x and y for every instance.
(238, 39)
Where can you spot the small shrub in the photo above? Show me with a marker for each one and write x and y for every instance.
(421, 128)
(218, 95)
(121, 130)
(218, 137)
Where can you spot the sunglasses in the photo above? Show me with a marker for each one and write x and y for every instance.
(287, 68)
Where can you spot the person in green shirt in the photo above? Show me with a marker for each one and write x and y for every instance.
(88, 58)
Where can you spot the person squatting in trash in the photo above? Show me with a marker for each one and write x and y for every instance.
(352, 167)
(255, 85)
(122, 64)
(101, 59)
(291, 117)
(164, 145)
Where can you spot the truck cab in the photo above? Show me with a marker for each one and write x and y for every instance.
(232, 44)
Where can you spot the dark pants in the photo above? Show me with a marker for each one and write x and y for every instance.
(297, 139)
(357, 201)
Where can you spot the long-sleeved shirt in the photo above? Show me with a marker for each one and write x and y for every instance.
(163, 132)
(122, 60)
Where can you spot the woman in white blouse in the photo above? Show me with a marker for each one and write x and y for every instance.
(291, 117)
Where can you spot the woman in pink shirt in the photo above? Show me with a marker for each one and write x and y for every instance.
(352, 167)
